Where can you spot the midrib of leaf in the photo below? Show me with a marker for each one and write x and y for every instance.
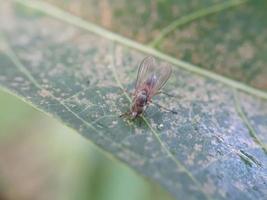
(192, 17)
(157, 136)
(76, 21)
(244, 118)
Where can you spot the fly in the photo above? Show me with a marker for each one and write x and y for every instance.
(150, 80)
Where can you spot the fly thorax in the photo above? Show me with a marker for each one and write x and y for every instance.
(139, 103)
(141, 99)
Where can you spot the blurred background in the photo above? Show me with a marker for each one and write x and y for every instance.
(41, 159)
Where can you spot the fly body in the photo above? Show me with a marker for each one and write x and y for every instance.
(139, 104)
(150, 79)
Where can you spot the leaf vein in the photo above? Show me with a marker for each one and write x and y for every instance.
(244, 118)
(83, 24)
(192, 17)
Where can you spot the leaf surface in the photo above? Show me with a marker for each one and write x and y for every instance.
(214, 148)
(224, 36)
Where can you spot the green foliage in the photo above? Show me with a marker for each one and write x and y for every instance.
(223, 36)
(214, 148)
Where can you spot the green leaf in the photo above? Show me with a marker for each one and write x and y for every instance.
(224, 36)
(214, 148)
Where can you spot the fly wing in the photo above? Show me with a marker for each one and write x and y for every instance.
(163, 73)
(152, 76)
(145, 67)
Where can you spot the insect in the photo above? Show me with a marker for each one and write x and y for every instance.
(150, 79)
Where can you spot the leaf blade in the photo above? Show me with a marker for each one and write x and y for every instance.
(151, 153)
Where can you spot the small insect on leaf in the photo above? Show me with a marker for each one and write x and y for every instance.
(151, 78)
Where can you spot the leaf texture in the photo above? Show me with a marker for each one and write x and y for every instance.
(214, 148)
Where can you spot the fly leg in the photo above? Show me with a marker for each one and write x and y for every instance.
(124, 114)
(164, 108)
(169, 95)
(130, 94)
(165, 93)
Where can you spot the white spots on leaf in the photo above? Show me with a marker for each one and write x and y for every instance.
(45, 80)
(69, 33)
(23, 40)
(190, 159)
(171, 133)
(240, 186)
(81, 101)
(198, 147)
(19, 79)
(160, 126)
(209, 187)
(114, 122)
(46, 86)
(196, 119)
(214, 141)
(246, 51)
(153, 124)
(44, 93)
(35, 57)
(57, 70)
(138, 131)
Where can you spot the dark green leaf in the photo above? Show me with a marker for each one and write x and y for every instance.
(225, 36)
(214, 148)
